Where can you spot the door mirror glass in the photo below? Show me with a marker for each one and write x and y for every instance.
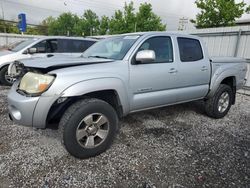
(32, 50)
(145, 56)
(41, 50)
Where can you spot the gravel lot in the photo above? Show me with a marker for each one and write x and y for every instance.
(176, 146)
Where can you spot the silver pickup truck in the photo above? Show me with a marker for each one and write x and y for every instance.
(119, 75)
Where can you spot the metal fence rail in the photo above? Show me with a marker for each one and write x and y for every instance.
(7, 38)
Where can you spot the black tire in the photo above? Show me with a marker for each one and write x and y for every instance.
(74, 116)
(211, 104)
(3, 80)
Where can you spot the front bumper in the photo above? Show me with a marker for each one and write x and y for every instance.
(29, 111)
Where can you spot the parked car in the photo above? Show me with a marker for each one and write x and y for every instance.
(41, 47)
(86, 96)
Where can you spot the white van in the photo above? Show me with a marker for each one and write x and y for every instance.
(41, 47)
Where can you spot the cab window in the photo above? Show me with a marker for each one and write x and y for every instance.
(190, 49)
(162, 46)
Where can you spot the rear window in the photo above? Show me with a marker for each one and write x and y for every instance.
(73, 46)
(190, 49)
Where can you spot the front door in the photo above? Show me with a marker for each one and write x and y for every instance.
(152, 84)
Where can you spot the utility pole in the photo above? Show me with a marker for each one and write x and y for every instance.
(182, 24)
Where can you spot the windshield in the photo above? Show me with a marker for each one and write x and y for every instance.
(22, 45)
(111, 48)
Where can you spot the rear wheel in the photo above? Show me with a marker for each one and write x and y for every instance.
(88, 127)
(4, 79)
(219, 105)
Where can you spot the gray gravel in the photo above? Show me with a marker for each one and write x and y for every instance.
(176, 146)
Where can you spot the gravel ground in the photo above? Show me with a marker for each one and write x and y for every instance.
(176, 146)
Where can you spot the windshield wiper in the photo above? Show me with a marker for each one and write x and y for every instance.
(97, 56)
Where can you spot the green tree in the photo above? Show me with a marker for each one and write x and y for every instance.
(63, 25)
(104, 25)
(147, 20)
(8, 27)
(117, 23)
(129, 18)
(217, 13)
(129, 21)
(248, 10)
(90, 23)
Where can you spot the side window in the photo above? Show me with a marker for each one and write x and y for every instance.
(52, 46)
(63, 46)
(162, 46)
(88, 43)
(79, 46)
(41, 46)
(190, 49)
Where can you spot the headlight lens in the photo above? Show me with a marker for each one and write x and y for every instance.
(34, 83)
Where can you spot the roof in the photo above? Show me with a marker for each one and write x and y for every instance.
(65, 37)
(172, 33)
(243, 21)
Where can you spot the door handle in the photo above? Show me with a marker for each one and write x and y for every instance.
(204, 68)
(172, 70)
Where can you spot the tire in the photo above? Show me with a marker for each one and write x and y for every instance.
(214, 107)
(3, 80)
(77, 121)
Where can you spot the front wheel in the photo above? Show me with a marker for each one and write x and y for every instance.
(4, 79)
(88, 127)
(219, 105)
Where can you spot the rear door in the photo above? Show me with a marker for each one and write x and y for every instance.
(152, 83)
(194, 70)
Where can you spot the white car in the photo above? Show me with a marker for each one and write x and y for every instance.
(41, 47)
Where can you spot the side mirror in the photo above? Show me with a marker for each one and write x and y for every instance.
(145, 56)
(32, 50)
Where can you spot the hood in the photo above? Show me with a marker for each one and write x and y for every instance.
(5, 52)
(57, 62)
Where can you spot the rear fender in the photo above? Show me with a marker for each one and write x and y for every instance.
(217, 80)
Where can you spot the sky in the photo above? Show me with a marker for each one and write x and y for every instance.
(170, 11)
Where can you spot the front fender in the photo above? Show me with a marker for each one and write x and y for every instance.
(92, 85)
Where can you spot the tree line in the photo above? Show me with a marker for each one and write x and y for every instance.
(213, 13)
(123, 21)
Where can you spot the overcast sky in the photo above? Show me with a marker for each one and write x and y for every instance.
(36, 10)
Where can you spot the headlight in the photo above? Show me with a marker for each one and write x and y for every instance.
(34, 83)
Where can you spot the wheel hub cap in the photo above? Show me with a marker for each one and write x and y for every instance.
(223, 102)
(92, 130)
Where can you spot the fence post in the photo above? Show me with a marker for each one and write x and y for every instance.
(237, 43)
